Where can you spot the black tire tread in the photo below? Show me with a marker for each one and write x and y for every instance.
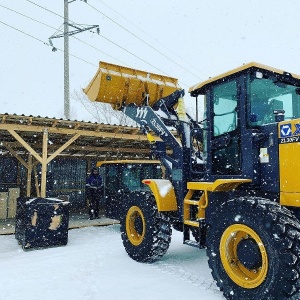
(158, 231)
(285, 229)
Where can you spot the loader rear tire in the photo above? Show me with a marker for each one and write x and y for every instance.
(146, 233)
(253, 249)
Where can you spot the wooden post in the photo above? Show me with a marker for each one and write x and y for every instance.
(29, 172)
(44, 163)
(38, 194)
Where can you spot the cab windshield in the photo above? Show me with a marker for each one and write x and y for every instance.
(268, 95)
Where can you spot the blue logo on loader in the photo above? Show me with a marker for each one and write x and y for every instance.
(297, 131)
(285, 130)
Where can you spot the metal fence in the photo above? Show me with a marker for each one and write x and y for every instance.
(65, 177)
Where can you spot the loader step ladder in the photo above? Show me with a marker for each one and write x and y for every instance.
(195, 204)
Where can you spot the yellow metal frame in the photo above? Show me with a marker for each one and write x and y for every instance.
(239, 274)
(133, 214)
(164, 194)
(290, 199)
(220, 185)
(289, 166)
(129, 161)
(201, 85)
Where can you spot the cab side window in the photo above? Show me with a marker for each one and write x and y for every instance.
(112, 179)
(225, 108)
(226, 131)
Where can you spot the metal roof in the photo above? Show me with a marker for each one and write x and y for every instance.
(20, 134)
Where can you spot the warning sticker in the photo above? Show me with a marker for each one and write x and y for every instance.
(264, 156)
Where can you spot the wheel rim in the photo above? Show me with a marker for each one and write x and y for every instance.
(237, 270)
(135, 225)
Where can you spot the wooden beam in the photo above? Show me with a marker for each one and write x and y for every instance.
(90, 133)
(63, 147)
(25, 145)
(93, 148)
(77, 125)
(16, 155)
(54, 123)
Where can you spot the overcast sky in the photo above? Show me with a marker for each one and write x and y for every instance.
(189, 40)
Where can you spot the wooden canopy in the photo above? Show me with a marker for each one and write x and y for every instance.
(34, 140)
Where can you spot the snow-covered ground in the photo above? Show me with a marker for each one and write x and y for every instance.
(95, 266)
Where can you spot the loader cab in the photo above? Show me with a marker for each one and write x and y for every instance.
(242, 111)
(123, 177)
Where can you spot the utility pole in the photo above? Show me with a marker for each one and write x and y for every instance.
(66, 33)
(66, 62)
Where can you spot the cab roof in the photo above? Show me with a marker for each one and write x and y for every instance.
(200, 88)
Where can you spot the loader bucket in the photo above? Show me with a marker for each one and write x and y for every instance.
(120, 86)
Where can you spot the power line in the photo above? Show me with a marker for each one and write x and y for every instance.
(25, 33)
(108, 41)
(143, 31)
(45, 8)
(101, 36)
(99, 50)
(80, 40)
(149, 45)
(59, 30)
(27, 17)
(121, 46)
(79, 58)
(134, 55)
(47, 44)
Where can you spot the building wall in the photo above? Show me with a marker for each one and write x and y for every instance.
(65, 177)
(8, 173)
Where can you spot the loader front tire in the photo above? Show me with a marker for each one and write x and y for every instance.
(146, 233)
(253, 249)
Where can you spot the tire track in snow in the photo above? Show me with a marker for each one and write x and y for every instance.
(179, 272)
(91, 263)
(89, 279)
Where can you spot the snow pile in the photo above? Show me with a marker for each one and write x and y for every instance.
(164, 186)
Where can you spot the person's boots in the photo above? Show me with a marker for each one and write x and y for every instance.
(91, 214)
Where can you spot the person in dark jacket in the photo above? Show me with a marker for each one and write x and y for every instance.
(93, 189)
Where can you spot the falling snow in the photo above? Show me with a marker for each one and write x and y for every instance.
(237, 218)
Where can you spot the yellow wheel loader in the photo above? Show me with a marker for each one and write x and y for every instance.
(231, 183)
